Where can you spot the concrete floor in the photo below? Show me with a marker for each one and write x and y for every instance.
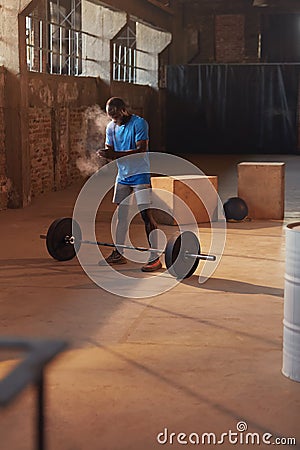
(197, 359)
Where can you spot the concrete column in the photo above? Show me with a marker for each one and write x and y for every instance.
(152, 42)
(102, 24)
(9, 54)
(12, 57)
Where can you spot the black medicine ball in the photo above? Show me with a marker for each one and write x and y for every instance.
(235, 208)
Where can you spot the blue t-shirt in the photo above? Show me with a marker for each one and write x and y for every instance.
(136, 168)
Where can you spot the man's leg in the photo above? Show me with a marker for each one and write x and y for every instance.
(150, 225)
(116, 257)
(122, 225)
(143, 198)
(121, 192)
(149, 221)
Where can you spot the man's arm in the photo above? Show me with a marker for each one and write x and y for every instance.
(110, 153)
(141, 147)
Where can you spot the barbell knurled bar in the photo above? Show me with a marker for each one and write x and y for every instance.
(72, 240)
(62, 245)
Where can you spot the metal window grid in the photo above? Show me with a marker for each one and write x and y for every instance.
(54, 45)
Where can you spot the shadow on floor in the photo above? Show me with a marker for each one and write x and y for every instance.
(213, 284)
(253, 224)
(32, 262)
(233, 286)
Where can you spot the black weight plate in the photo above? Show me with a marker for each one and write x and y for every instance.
(177, 263)
(56, 243)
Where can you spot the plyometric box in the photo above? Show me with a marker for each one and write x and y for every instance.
(198, 193)
(261, 185)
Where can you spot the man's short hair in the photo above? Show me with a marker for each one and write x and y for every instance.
(115, 104)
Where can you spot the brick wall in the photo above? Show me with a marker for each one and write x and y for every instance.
(57, 129)
(78, 142)
(216, 31)
(3, 177)
(70, 146)
(4, 182)
(57, 139)
(230, 39)
(40, 149)
(61, 126)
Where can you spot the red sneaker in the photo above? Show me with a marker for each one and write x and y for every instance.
(152, 266)
(114, 258)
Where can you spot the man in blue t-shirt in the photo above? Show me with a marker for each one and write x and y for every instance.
(127, 134)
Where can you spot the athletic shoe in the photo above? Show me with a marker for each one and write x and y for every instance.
(114, 258)
(152, 266)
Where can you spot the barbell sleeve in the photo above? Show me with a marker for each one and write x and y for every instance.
(201, 256)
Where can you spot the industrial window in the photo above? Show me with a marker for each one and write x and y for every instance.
(54, 37)
(124, 54)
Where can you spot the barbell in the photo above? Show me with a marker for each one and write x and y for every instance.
(182, 252)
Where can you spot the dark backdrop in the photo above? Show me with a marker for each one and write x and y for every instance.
(250, 108)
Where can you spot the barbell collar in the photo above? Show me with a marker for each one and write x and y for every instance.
(201, 256)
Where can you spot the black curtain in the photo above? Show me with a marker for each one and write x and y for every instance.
(280, 38)
(232, 108)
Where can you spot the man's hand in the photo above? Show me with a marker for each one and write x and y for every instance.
(101, 152)
(107, 153)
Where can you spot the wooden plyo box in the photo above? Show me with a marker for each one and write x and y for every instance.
(182, 187)
(261, 185)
